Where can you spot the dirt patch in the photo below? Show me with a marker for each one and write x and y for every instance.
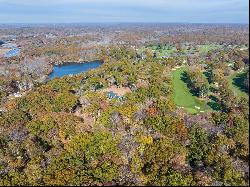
(118, 91)
(87, 124)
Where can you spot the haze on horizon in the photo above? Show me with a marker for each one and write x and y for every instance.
(99, 11)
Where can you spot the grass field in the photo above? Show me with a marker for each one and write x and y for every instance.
(165, 51)
(235, 84)
(171, 50)
(183, 97)
(207, 48)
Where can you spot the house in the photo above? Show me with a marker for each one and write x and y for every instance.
(112, 95)
(18, 94)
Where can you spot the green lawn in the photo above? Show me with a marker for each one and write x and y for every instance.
(208, 47)
(165, 51)
(183, 97)
(170, 50)
(236, 89)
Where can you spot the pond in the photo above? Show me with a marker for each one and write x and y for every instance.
(73, 68)
(12, 53)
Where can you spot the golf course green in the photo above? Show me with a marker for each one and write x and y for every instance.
(183, 97)
(236, 88)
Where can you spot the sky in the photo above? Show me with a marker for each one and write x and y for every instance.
(101, 11)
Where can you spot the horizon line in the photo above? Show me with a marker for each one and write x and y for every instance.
(121, 22)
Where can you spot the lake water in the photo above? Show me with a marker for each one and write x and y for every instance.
(12, 53)
(73, 69)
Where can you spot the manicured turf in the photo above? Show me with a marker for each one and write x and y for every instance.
(236, 89)
(170, 50)
(207, 48)
(182, 95)
(160, 53)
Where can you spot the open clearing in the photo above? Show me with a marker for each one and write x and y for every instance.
(236, 89)
(183, 97)
(118, 91)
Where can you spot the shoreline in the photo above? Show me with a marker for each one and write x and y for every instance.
(75, 62)
(68, 63)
